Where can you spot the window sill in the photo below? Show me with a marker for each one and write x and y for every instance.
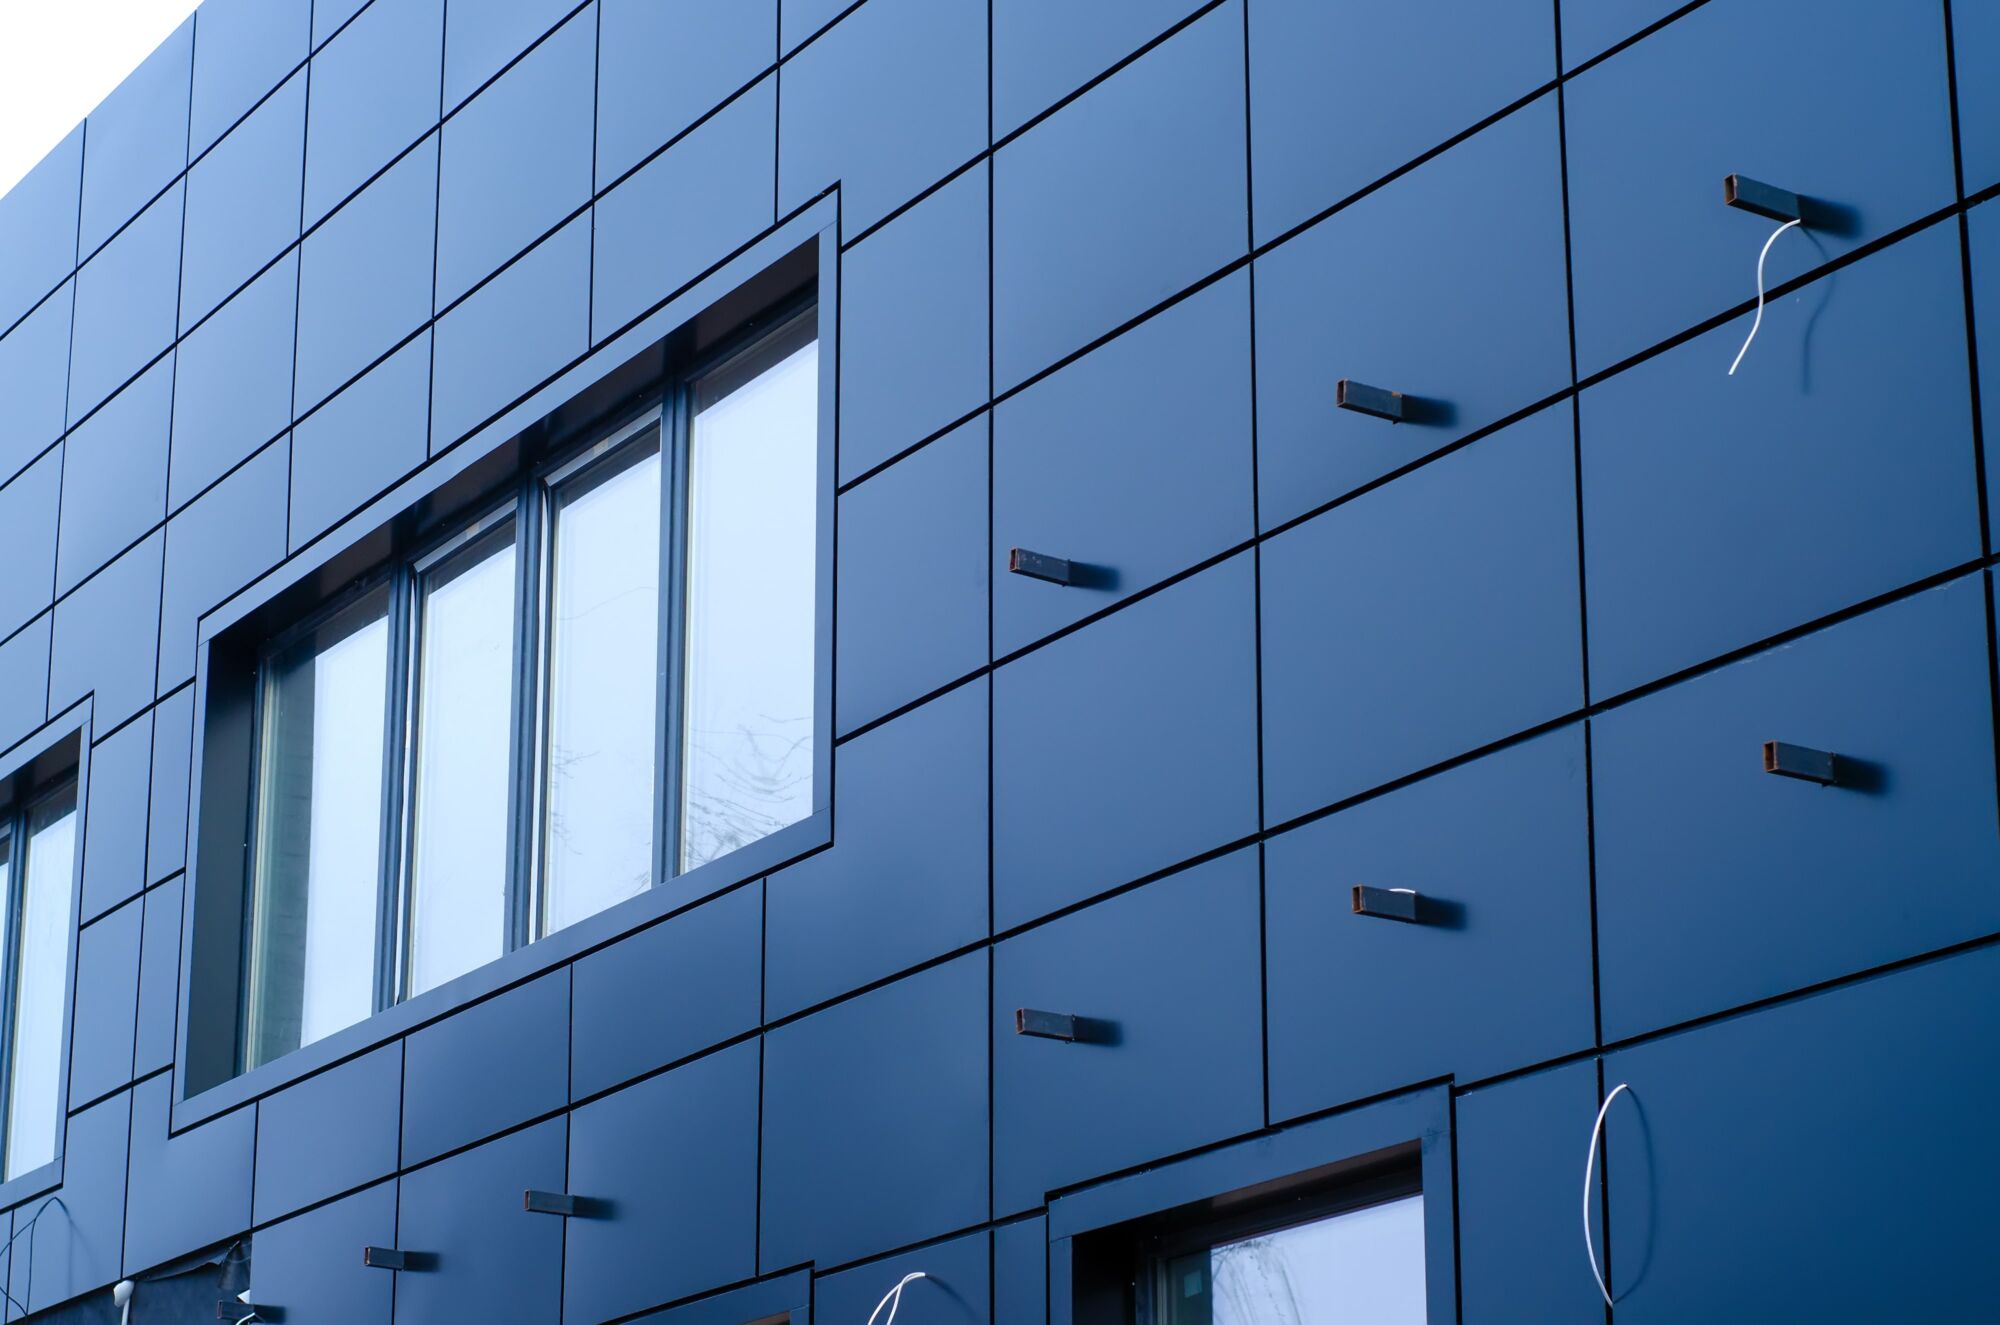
(742, 866)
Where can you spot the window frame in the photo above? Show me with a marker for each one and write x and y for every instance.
(54, 758)
(551, 433)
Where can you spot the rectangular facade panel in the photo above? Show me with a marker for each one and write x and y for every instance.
(329, 1133)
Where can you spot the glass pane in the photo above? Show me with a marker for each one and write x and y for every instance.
(604, 661)
(319, 835)
(465, 698)
(752, 473)
(1364, 1266)
(41, 977)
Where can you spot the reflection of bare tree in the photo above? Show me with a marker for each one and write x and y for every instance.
(1252, 1285)
(745, 783)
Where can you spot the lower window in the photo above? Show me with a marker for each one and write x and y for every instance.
(37, 873)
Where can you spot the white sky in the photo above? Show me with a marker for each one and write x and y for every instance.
(59, 58)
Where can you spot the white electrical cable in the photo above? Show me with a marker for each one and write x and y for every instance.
(1758, 321)
(1589, 1163)
(121, 1297)
(893, 1299)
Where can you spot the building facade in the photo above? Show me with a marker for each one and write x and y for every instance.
(677, 659)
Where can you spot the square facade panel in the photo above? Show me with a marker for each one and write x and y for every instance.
(107, 637)
(1464, 313)
(1590, 30)
(1125, 197)
(480, 40)
(716, 47)
(34, 381)
(1653, 131)
(1344, 92)
(1044, 50)
(38, 229)
(24, 679)
(495, 1066)
(242, 49)
(309, 1269)
(243, 202)
(233, 382)
(228, 537)
(126, 305)
(886, 104)
(29, 503)
(362, 441)
(488, 1259)
(136, 140)
(329, 1133)
(115, 476)
(374, 92)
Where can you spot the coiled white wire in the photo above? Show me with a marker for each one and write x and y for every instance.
(1758, 321)
(893, 1299)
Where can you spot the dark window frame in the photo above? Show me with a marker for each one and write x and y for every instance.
(793, 268)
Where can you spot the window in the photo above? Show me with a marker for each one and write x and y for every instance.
(37, 865)
(1364, 1263)
(606, 677)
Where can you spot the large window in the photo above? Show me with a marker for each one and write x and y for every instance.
(37, 866)
(604, 679)
(1364, 1263)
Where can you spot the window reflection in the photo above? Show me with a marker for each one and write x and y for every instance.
(604, 675)
(747, 756)
(40, 954)
(319, 834)
(459, 810)
(1363, 1266)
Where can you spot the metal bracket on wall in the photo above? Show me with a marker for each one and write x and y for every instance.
(1045, 1025)
(1752, 195)
(561, 1204)
(231, 1310)
(1801, 762)
(1386, 903)
(1036, 566)
(389, 1258)
(1370, 400)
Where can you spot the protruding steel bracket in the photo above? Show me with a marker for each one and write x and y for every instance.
(1369, 400)
(1386, 903)
(1045, 1025)
(1801, 762)
(1764, 199)
(1037, 566)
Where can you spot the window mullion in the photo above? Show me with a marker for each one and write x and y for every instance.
(676, 420)
(530, 641)
(390, 910)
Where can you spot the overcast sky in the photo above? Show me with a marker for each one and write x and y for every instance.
(58, 59)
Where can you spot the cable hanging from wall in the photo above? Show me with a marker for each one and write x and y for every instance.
(893, 1299)
(1780, 205)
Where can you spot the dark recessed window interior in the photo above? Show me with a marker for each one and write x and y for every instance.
(37, 873)
(601, 676)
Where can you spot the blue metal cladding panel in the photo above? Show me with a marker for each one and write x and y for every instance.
(885, 105)
(365, 276)
(1409, 291)
(913, 325)
(1123, 198)
(1496, 978)
(114, 480)
(186, 1191)
(242, 49)
(1984, 259)
(107, 1002)
(802, 19)
(516, 330)
(955, 1288)
(167, 815)
(107, 638)
(233, 382)
(1589, 30)
(328, 1134)
(75, 1244)
(125, 302)
(136, 140)
(1975, 26)
(714, 47)
(310, 1268)
(374, 92)
(38, 229)
(490, 1067)
(875, 1120)
(482, 39)
(1342, 94)
(650, 242)
(24, 680)
(1127, 747)
(243, 201)
(668, 992)
(329, 17)
(1721, 510)
(220, 543)
(516, 159)
(361, 441)
(1519, 1240)
(114, 848)
(34, 382)
(159, 979)
(1168, 978)
(28, 505)
(1422, 620)
(1653, 131)
(493, 1261)
(1133, 462)
(1021, 1272)
(912, 577)
(1736, 1169)
(1043, 50)
(1719, 884)
(675, 1158)
(905, 879)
